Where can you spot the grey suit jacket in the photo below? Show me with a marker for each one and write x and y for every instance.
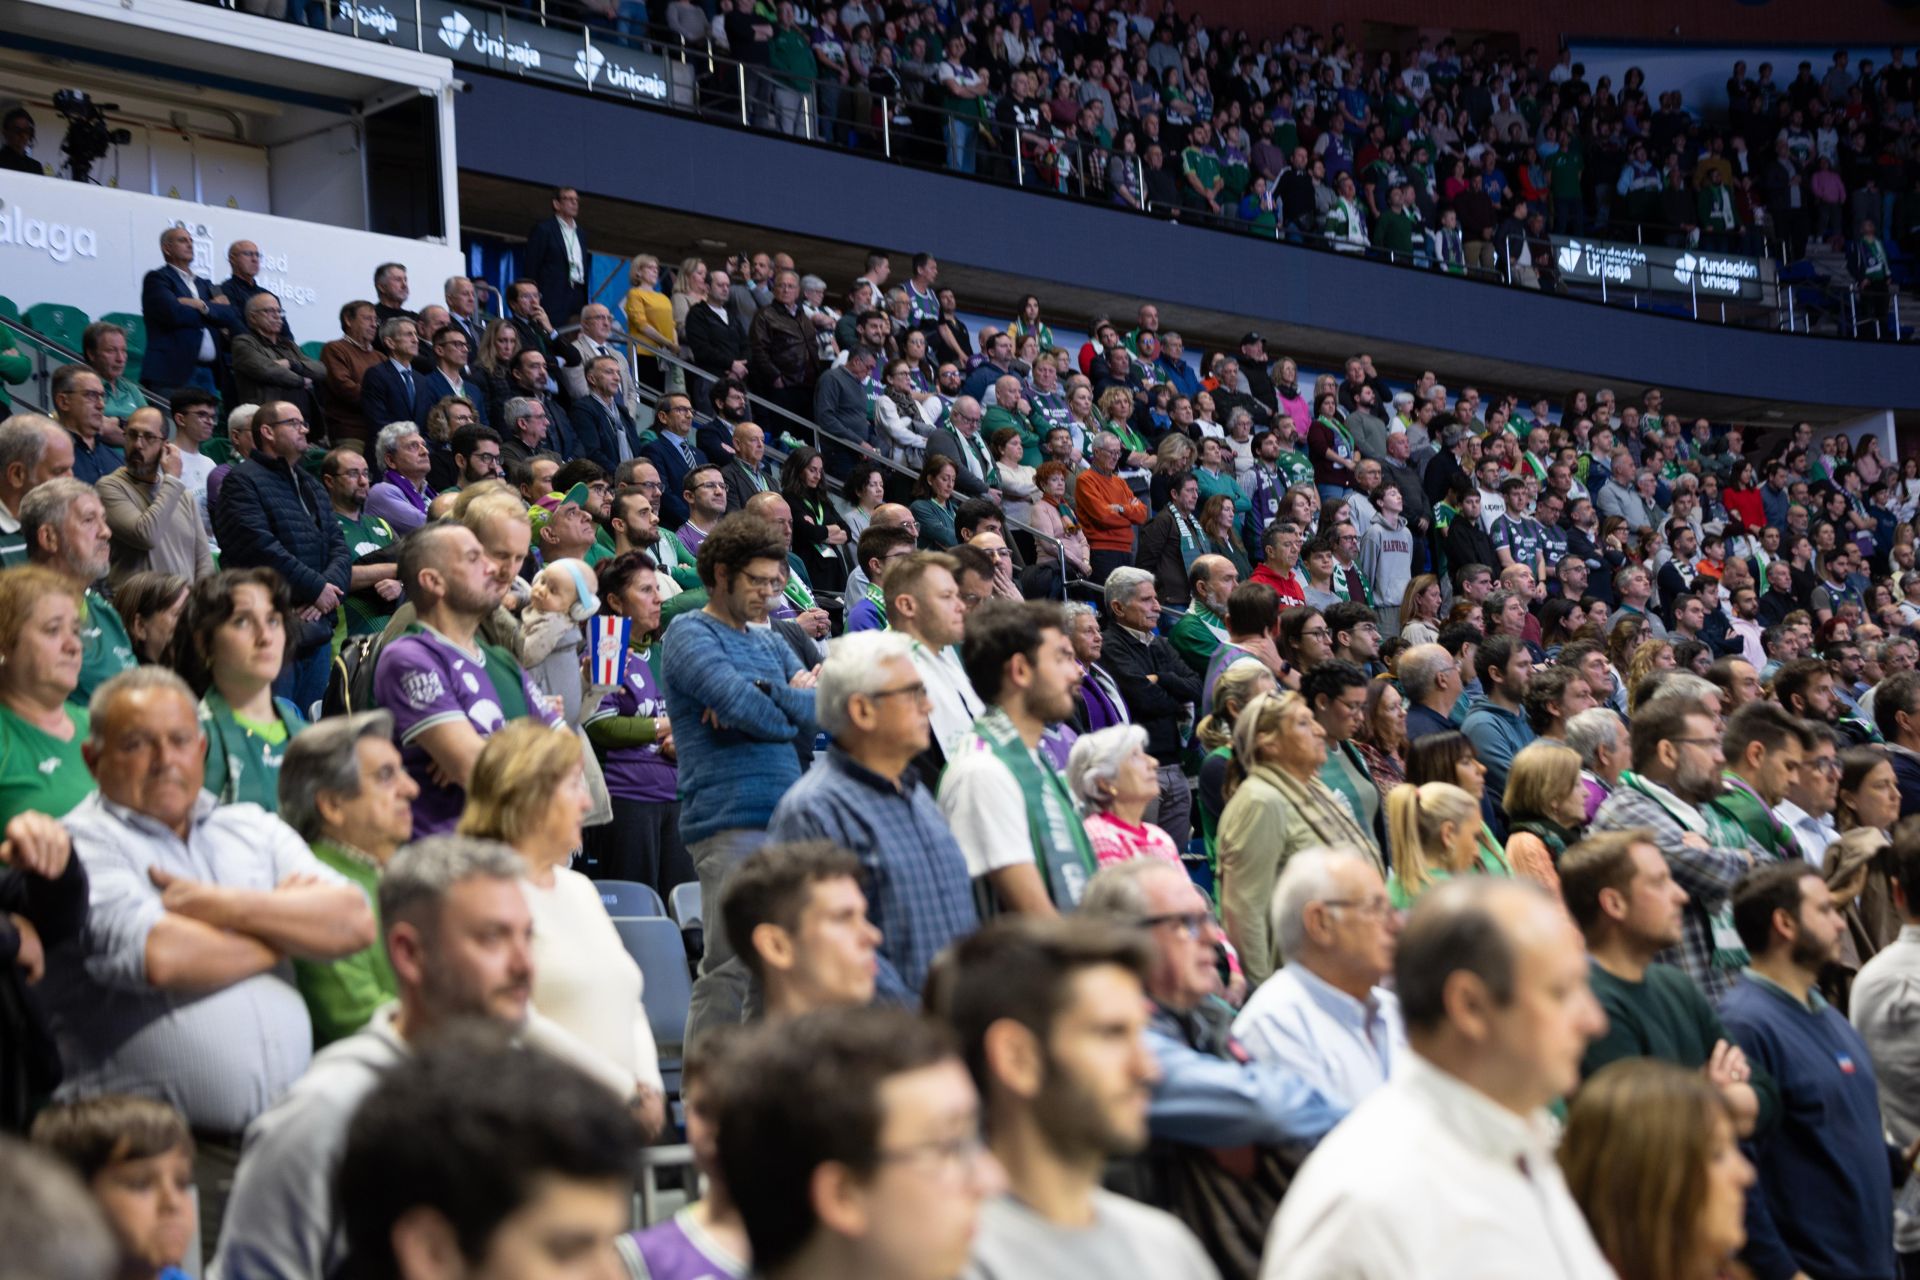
(943, 442)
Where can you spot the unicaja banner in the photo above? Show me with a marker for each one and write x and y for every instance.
(1658, 269)
(481, 37)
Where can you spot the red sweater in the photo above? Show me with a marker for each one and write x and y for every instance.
(1094, 497)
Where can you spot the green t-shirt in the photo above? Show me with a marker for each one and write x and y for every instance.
(1564, 168)
(365, 612)
(243, 756)
(342, 995)
(105, 650)
(37, 770)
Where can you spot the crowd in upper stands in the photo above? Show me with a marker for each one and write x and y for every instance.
(1308, 747)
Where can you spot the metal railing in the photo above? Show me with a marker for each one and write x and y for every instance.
(766, 412)
(47, 356)
(904, 128)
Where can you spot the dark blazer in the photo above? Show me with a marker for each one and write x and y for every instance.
(716, 341)
(664, 452)
(174, 329)
(943, 442)
(1159, 554)
(1155, 705)
(387, 395)
(546, 266)
(599, 431)
(740, 484)
(560, 439)
(556, 351)
(432, 389)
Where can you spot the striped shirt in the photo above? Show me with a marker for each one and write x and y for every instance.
(221, 1057)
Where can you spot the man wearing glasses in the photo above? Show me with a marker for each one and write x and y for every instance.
(1807, 810)
(80, 404)
(1677, 760)
(273, 512)
(1325, 1015)
(1430, 679)
(676, 456)
(194, 414)
(867, 797)
(450, 351)
(1211, 1094)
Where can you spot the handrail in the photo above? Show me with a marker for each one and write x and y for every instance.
(856, 446)
(45, 347)
(724, 88)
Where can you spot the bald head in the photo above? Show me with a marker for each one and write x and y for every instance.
(773, 508)
(890, 515)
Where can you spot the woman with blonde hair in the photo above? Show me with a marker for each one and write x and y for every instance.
(41, 727)
(1420, 610)
(1116, 415)
(1434, 830)
(529, 790)
(1648, 657)
(1650, 1156)
(1276, 806)
(1243, 679)
(1546, 804)
(493, 363)
(1114, 780)
(689, 290)
(650, 320)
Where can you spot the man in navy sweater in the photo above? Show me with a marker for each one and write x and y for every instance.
(1824, 1204)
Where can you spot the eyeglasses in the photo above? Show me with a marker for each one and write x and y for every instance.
(1370, 908)
(1696, 742)
(98, 397)
(917, 691)
(1313, 633)
(1194, 924)
(951, 1158)
(758, 582)
(1829, 765)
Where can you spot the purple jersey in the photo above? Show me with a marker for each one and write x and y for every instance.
(637, 773)
(678, 1249)
(424, 679)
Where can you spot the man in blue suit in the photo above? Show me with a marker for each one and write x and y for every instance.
(450, 351)
(185, 320)
(601, 421)
(674, 454)
(390, 389)
(557, 256)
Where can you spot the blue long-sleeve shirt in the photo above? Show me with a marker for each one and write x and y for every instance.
(1497, 736)
(1207, 1099)
(732, 775)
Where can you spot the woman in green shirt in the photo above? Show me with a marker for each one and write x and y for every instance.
(230, 647)
(40, 731)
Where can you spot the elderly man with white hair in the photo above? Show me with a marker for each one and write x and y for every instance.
(1600, 736)
(864, 795)
(1326, 1016)
(1114, 780)
(1157, 685)
(401, 495)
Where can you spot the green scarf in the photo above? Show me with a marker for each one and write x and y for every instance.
(1060, 845)
(1728, 951)
(1551, 834)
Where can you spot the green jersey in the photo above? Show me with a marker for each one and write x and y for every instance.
(105, 650)
(37, 770)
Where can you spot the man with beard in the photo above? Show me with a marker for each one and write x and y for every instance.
(1765, 748)
(1676, 771)
(66, 531)
(447, 688)
(1052, 1018)
(1824, 1167)
(153, 520)
(460, 940)
(1005, 799)
(373, 583)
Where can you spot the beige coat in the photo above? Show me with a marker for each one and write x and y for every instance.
(154, 526)
(1271, 817)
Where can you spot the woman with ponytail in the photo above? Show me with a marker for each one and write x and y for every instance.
(1435, 832)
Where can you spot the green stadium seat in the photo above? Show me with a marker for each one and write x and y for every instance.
(62, 325)
(136, 327)
(312, 349)
(219, 449)
(9, 308)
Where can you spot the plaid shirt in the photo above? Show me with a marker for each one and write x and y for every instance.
(1708, 876)
(919, 894)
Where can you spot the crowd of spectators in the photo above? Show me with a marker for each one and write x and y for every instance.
(1348, 777)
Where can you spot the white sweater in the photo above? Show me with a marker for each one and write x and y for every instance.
(584, 980)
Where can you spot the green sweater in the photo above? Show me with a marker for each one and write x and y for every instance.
(342, 995)
(1195, 638)
(1664, 1016)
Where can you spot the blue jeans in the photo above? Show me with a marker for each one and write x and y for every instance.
(304, 681)
(962, 137)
